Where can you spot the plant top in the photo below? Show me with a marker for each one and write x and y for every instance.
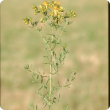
(52, 10)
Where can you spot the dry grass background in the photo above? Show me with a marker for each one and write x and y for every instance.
(88, 55)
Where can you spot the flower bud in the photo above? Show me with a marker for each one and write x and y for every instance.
(34, 8)
(25, 20)
(30, 19)
(42, 20)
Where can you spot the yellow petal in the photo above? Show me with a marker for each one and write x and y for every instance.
(55, 7)
(40, 6)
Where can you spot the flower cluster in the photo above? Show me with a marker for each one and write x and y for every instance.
(56, 12)
(26, 20)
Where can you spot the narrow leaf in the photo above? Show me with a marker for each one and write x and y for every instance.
(47, 81)
(67, 107)
(41, 79)
(37, 76)
(52, 81)
(36, 107)
(59, 93)
(58, 83)
(45, 105)
(38, 70)
(40, 88)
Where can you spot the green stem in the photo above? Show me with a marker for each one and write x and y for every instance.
(51, 69)
(43, 39)
(62, 31)
(50, 77)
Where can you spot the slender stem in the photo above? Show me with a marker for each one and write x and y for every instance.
(51, 69)
(43, 39)
(50, 77)
(62, 31)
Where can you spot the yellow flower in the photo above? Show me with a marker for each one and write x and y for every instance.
(35, 12)
(55, 8)
(34, 8)
(52, 15)
(70, 16)
(52, 1)
(25, 20)
(59, 16)
(62, 17)
(58, 3)
(74, 15)
(42, 20)
(61, 9)
(66, 14)
(45, 4)
(40, 6)
(30, 19)
(56, 20)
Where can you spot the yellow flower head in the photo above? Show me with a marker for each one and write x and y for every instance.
(66, 14)
(42, 20)
(45, 3)
(55, 8)
(74, 15)
(56, 11)
(52, 2)
(30, 19)
(40, 6)
(34, 8)
(58, 3)
(25, 20)
(61, 9)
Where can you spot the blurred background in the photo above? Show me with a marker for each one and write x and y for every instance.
(87, 43)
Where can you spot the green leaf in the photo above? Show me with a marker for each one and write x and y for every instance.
(68, 79)
(39, 29)
(58, 74)
(38, 70)
(54, 41)
(45, 56)
(26, 66)
(34, 81)
(66, 85)
(46, 63)
(37, 76)
(36, 107)
(67, 107)
(57, 65)
(72, 79)
(59, 93)
(74, 73)
(58, 83)
(50, 106)
(53, 81)
(68, 23)
(40, 88)
(47, 81)
(45, 19)
(53, 53)
(36, 22)
(64, 20)
(41, 79)
(45, 87)
(31, 106)
(45, 104)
